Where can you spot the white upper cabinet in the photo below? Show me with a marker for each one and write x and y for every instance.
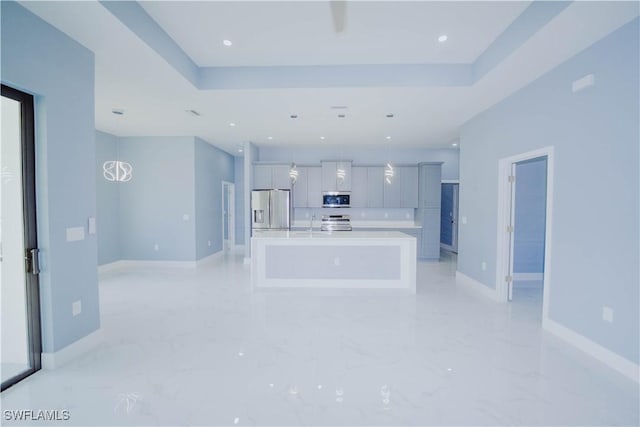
(307, 190)
(375, 187)
(430, 185)
(314, 187)
(410, 187)
(271, 176)
(261, 177)
(300, 191)
(392, 191)
(336, 176)
(359, 187)
(402, 191)
(408, 177)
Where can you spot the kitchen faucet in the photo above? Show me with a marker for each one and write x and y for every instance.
(313, 216)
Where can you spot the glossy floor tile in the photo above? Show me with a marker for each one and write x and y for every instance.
(196, 347)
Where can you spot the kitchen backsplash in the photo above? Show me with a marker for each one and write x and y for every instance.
(357, 214)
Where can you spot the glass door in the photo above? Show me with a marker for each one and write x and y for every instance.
(19, 299)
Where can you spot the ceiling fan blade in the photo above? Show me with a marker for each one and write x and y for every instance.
(339, 14)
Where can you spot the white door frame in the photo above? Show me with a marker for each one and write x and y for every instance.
(230, 243)
(504, 238)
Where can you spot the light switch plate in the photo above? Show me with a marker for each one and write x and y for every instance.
(607, 314)
(75, 233)
(92, 225)
(76, 307)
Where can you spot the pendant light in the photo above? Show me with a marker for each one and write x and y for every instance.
(293, 173)
(388, 173)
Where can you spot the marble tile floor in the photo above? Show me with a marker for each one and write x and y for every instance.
(196, 347)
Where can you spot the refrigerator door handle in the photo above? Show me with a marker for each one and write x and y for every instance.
(270, 209)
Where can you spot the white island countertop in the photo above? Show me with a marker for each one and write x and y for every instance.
(333, 235)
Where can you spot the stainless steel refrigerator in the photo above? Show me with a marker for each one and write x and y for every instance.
(270, 209)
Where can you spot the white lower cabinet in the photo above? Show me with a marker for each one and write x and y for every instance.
(430, 219)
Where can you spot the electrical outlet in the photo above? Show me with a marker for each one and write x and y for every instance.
(209, 243)
(464, 219)
(484, 265)
(607, 314)
(156, 247)
(185, 217)
(76, 307)
(386, 215)
(407, 215)
(306, 214)
(336, 261)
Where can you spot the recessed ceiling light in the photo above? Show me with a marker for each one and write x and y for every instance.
(294, 116)
(232, 124)
(455, 144)
(388, 137)
(341, 116)
(118, 111)
(269, 137)
(389, 116)
(227, 42)
(239, 150)
(322, 137)
(443, 38)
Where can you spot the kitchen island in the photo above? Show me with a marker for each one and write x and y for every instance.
(338, 260)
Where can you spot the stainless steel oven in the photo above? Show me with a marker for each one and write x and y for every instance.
(336, 199)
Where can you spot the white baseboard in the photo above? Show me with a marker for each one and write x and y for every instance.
(112, 266)
(217, 256)
(474, 285)
(72, 351)
(127, 264)
(528, 276)
(595, 350)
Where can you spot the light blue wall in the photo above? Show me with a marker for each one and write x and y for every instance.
(212, 166)
(366, 155)
(107, 201)
(153, 203)
(239, 200)
(595, 134)
(530, 216)
(172, 176)
(39, 59)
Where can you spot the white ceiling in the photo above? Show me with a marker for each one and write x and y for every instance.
(133, 76)
(301, 33)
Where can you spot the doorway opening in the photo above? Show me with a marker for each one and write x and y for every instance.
(228, 216)
(19, 296)
(449, 217)
(524, 228)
